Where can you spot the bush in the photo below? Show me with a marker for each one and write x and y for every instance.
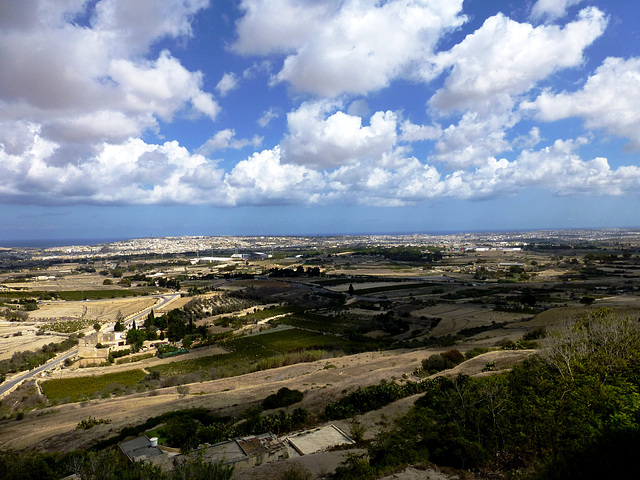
(436, 363)
(454, 355)
(474, 352)
(283, 398)
(442, 361)
(295, 472)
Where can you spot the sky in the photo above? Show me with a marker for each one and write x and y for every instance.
(123, 119)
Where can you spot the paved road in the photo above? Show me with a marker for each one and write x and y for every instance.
(9, 384)
(164, 300)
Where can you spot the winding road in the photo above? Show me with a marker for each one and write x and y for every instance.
(10, 384)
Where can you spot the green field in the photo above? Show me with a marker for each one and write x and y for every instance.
(247, 352)
(318, 323)
(76, 295)
(284, 341)
(79, 387)
(268, 313)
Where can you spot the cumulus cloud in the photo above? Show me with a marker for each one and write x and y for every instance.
(92, 83)
(228, 82)
(161, 87)
(76, 134)
(321, 137)
(473, 139)
(490, 69)
(135, 172)
(267, 116)
(552, 9)
(608, 100)
(336, 47)
(410, 132)
(557, 168)
(264, 179)
(505, 58)
(226, 139)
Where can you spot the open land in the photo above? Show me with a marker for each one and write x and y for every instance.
(322, 316)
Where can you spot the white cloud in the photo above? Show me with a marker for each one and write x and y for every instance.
(264, 179)
(161, 87)
(226, 139)
(228, 82)
(505, 58)
(475, 138)
(134, 172)
(322, 139)
(552, 9)
(556, 168)
(267, 116)
(410, 132)
(609, 100)
(490, 69)
(134, 26)
(88, 84)
(345, 47)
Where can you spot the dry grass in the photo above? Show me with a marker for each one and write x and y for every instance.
(28, 340)
(100, 310)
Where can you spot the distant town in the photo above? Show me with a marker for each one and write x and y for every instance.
(228, 245)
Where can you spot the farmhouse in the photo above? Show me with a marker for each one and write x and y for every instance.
(318, 439)
(89, 354)
(147, 449)
(244, 452)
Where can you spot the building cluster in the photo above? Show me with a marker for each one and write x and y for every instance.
(242, 452)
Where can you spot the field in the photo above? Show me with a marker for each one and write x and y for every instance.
(20, 337)
(84, 387)
(100, 310)
(246, 353)
(303, 329)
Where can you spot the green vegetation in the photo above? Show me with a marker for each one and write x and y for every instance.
(404, 253)
(74, 295)
(21, 361)
(107, 464)
(186, 429)
(442, 361)
(391, 288)
(574, 413)
(372, 398)
(68, 326)
(282, 398)
(269, 312)
(91, 422)
(259, 352)
(74, 389)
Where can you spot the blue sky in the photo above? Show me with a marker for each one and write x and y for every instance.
(196, 117)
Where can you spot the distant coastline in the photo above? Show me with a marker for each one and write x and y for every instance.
(57, 242)
(68, 242)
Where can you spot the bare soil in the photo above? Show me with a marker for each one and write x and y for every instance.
(27, 340)
(323, 381)
(99, 310)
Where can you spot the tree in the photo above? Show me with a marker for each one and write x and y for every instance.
(587, 300)
(150, 319)
(351, 289)
(135, 338)
(176, 329)
(97, 326)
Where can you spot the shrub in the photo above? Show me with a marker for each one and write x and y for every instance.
(283, 398)
(436, 363)
(295, 472)
(454, 355)
(474, 352)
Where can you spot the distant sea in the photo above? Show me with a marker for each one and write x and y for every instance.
(56, 242)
